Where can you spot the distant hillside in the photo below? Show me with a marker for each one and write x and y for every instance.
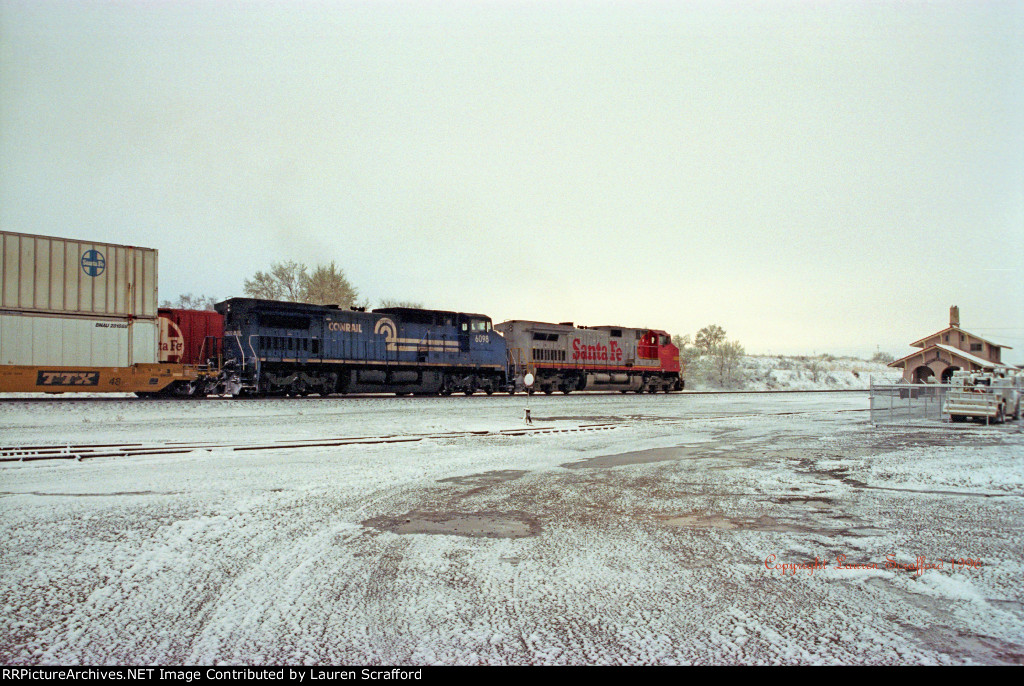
(785, 373)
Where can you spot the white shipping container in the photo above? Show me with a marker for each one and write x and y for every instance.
(60, 275)
(39, 339)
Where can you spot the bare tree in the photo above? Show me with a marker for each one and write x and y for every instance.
(687, 352)
(294, 282)
(188, 301)
(284, 281)
(389, 302)
(709, 338)
(327, 285)
(726, 356)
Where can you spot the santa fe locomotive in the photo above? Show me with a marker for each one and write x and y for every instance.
(83, 317)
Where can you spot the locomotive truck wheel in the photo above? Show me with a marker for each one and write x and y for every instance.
(548, 390)
(489, 391)
(566, 389)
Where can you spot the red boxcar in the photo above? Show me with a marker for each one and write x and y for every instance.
(189, 336)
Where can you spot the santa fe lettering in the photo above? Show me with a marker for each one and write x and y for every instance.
(580, 351)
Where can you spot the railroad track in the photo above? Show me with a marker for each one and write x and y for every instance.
(92, 450)
(69, 451)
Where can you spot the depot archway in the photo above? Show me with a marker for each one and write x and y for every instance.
(923, 374)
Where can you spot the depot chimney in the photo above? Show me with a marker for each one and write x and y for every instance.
(954, 316)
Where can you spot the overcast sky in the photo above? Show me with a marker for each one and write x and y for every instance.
(812, 176)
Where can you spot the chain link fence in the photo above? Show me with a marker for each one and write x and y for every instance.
(903, 403)
(908, 403)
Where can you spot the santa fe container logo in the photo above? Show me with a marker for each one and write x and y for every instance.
(93, 262)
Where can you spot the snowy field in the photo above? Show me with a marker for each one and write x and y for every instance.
(709, 529)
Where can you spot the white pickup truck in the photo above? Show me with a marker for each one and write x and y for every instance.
(984, 395)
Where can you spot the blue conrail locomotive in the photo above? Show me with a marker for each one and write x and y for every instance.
(282, 348)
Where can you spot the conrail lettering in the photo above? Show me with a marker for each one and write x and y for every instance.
(347, 327)
(61, 378)
(605, 353)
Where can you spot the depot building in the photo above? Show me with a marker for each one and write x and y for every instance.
(948, 351)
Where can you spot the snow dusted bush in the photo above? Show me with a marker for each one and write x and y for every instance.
(777, 372)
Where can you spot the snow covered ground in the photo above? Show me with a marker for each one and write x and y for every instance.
(714, 529)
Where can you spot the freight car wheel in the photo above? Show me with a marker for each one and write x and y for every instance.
(181, 389)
